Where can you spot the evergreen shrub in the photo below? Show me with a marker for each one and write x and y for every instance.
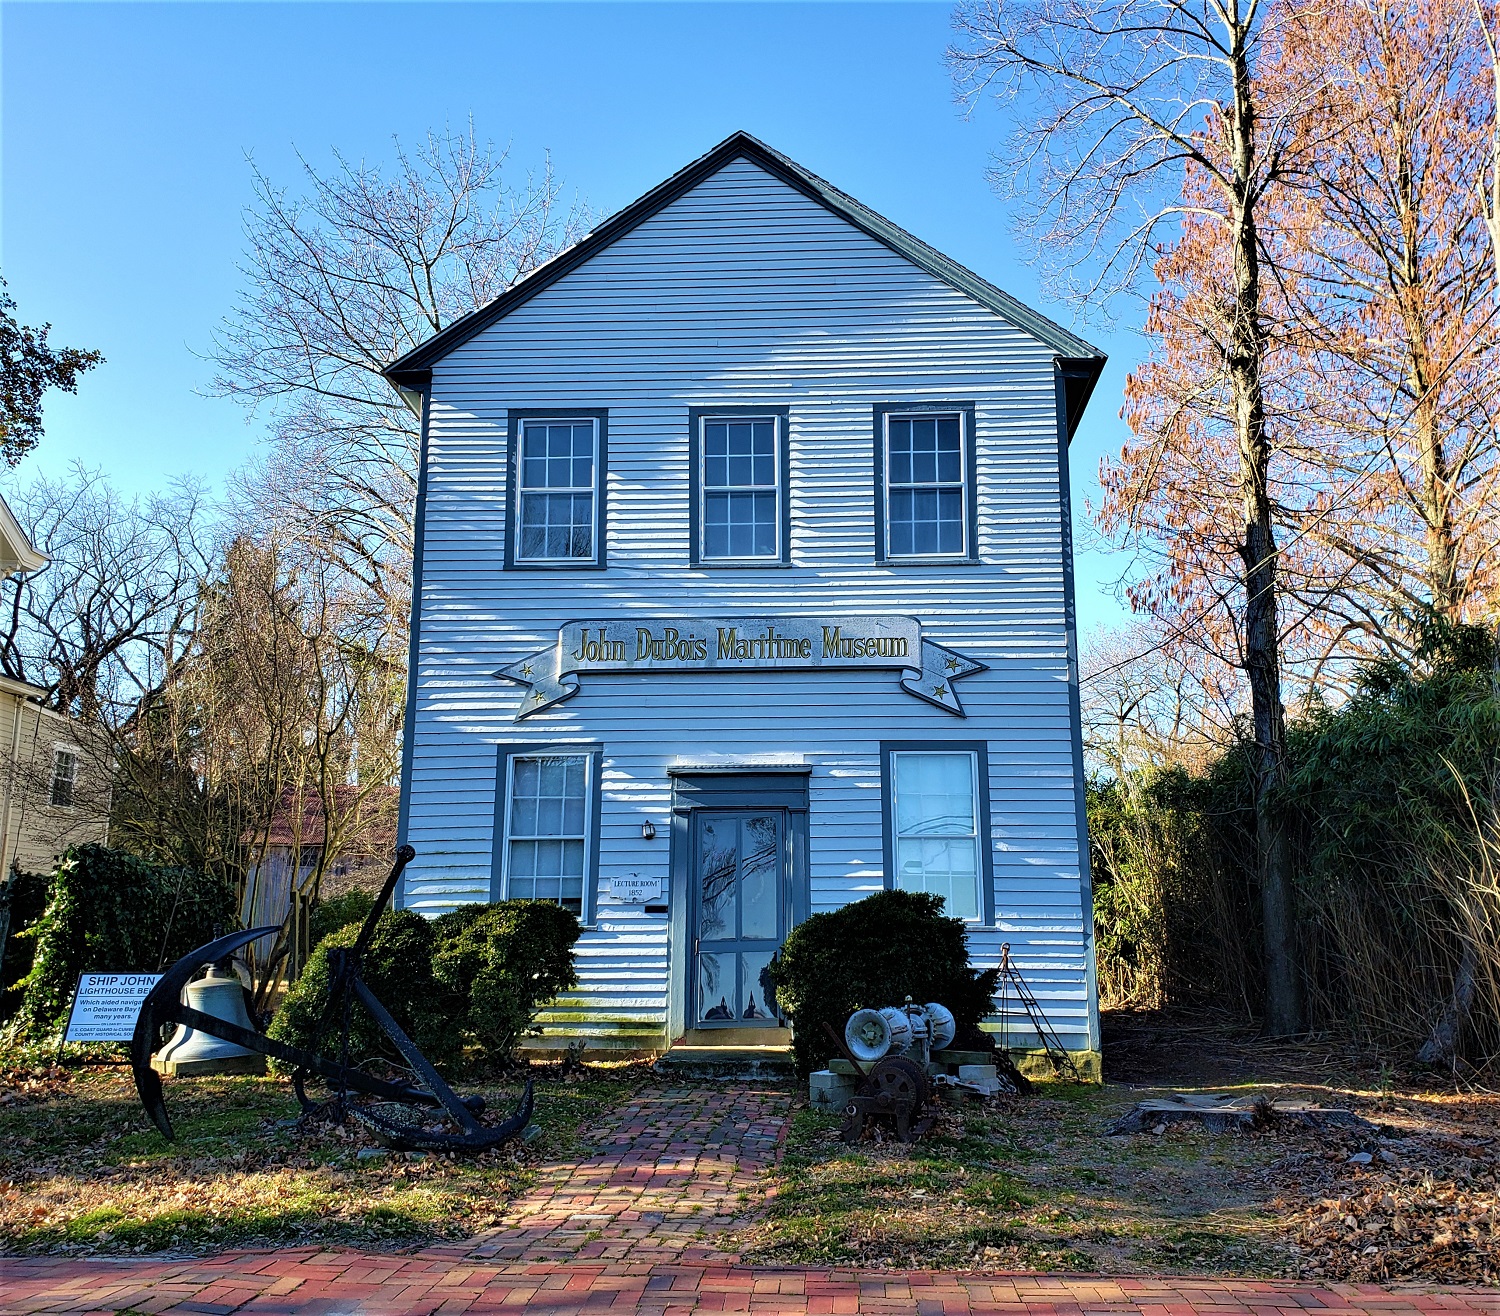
(337, 912)
(873, 953)
(1394, 809)
(113, 912)
(397, 967)
(503, 962)
(477, 976)
(23, 899)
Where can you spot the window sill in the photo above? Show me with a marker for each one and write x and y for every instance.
(555, 566)
(740, 564)
(928, 562)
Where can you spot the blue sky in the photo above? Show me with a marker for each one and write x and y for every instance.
(126, 130)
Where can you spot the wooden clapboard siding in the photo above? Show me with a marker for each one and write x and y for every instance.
(745, 291)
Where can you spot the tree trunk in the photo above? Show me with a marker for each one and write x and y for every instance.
(1436, 494)
(1441, 1046)
(1247, 345)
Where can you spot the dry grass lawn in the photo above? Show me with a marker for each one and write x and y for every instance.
(82, 1171)
(1038, 1183)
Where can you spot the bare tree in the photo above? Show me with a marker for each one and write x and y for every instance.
(339, 281)
(282, 716)
(1136, 116)
(103, 623)
(1151, 702)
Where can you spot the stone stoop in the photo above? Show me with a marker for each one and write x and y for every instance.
(763, 1053)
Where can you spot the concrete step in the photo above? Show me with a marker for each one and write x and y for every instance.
(728, 1062)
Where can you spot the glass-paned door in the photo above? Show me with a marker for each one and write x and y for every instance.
(740, 881)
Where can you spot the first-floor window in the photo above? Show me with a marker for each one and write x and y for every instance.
(64, 777)
(935, 827)
(547, 828)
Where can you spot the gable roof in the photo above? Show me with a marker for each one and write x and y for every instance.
(1080, 362)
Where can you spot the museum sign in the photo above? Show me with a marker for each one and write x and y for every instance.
(741, 644)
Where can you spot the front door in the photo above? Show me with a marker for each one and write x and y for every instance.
(741, 889)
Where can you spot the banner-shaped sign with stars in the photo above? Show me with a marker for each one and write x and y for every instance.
(741, 644)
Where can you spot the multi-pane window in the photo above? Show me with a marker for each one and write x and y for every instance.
(64, 777)
(558, 481)
(547, 829)
(740, 488)
(935, 827)
(925, 496)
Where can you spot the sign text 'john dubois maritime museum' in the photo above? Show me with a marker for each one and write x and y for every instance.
(740, 644)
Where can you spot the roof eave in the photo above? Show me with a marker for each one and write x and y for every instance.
(1080, 377)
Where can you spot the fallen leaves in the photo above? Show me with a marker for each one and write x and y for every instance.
(1437, 1220)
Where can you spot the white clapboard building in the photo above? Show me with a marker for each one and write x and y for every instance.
(743, 589)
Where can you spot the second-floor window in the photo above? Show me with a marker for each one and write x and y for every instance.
(64, 777)
(927, 500)
(741, 487)
(557, 479)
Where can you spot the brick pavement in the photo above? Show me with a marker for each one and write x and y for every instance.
(306, 1282)
(632, 1229)
(675, 1166)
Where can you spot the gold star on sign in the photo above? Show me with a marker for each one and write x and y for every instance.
(525, 669)
(953, 664)
(538, 695)
(941, 691)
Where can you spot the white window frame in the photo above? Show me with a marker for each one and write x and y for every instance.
(975, 785)
(595, 490)
(590, 762)
(778, 438)
(965, 494)
(58, 751)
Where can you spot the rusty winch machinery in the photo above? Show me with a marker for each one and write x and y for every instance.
(891, 1053)
(422, 1115)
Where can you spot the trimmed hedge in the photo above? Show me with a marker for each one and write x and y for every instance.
(873, 953)
(113, 912)
(398, 969)
(504, 961)
(476, 976)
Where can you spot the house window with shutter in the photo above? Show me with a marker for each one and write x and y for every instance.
(64, 777)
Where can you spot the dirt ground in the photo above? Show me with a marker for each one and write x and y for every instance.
(1039, 1182)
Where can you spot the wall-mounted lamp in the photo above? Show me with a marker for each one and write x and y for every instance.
(648, 830)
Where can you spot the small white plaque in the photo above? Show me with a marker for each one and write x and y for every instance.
(634, 890)
(106, 1005)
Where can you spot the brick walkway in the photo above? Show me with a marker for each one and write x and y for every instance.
(675, 1167)
(310, 1283)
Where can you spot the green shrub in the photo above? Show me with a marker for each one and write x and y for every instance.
(328, 916)
(23, 899)
(397, 968)
(476, 975)
(873, 953)
(1395, 837)
(500, 962)
(112, 912)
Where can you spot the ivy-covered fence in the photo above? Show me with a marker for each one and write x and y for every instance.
(112, 912)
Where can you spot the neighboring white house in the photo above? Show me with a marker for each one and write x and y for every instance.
(744, 587)
(54, 776)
